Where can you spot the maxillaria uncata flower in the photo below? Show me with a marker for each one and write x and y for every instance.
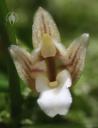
(50, 69)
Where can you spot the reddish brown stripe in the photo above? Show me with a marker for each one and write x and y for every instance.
(50, 61)
(43, 22)
(74, 64)
(49, 30)
(24, 61)
(76, 60)
(74, 67)
(28, 74)
(23, 58)
(73, 59)
(37, 70)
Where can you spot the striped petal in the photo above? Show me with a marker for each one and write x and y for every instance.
(74, 58)
(43, 24)
(26, 65)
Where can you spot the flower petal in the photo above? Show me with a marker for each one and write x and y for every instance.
(25, 65)
(55, 101)
(41, 83)
(64, 78)
(74, 58)
(43, 23)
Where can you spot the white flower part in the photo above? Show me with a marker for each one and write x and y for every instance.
(64, 77)
(56, 101)
(41, 83)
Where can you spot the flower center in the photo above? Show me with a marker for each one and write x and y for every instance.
(53, 84)
(48, 52)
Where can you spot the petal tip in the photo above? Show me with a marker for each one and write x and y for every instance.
(41, 10)
(85, 38)
(85, 35)
(10, 48)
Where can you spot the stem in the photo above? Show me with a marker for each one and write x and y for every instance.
(7, 36)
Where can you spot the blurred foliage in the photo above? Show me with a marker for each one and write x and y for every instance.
(73, 18)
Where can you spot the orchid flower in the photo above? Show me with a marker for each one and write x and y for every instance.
(50, 69)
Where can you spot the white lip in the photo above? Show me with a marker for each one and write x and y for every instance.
(58, 100)
(55, 102)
